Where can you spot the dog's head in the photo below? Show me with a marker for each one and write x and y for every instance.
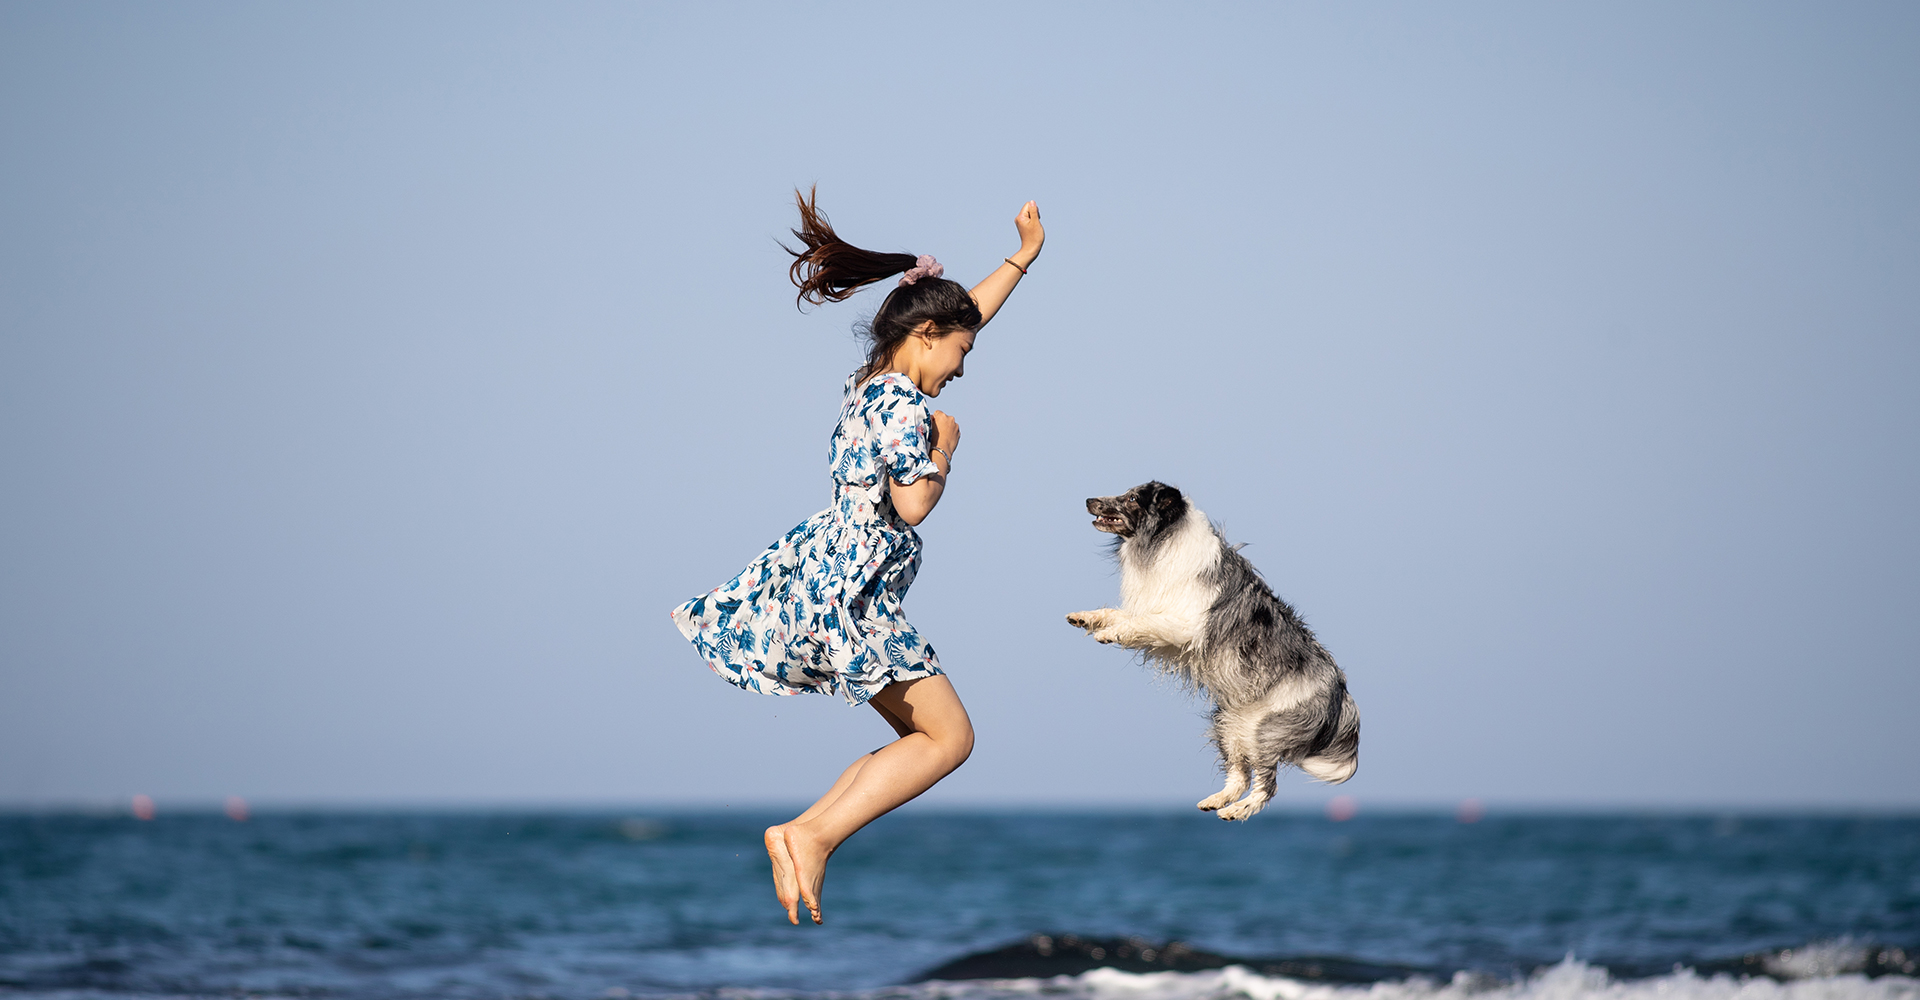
(1143, 510)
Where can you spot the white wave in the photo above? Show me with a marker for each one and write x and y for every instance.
(1572, 979)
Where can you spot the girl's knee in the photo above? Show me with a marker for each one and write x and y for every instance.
(959, 743)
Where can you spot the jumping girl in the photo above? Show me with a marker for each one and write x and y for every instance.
(819, 610)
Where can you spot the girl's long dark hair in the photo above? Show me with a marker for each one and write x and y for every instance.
(829, 269)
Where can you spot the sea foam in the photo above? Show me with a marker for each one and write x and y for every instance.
(1571, 979)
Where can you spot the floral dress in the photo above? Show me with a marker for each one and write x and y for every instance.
(819, 610)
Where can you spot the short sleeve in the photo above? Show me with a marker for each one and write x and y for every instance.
(902, 431)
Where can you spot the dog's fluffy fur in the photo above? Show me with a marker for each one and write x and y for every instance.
(1199, 611)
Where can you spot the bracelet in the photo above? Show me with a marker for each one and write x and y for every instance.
(1016, 267)
(947, 453)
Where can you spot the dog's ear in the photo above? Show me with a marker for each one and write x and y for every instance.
(1166, 498)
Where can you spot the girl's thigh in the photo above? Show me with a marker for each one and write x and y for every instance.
(925, 705)
(900, 728)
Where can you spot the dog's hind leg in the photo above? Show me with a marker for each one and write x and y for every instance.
(1265, 780)
(1232, 746)
(1274, 738)
(1236, 787)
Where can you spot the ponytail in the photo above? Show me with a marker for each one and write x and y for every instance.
(830, 269)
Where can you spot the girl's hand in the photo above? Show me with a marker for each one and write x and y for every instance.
(992, 293)
(946, 432)
(1032, 234)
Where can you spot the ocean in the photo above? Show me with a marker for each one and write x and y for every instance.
(967, 905)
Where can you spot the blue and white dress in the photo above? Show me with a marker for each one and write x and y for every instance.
(819, 610)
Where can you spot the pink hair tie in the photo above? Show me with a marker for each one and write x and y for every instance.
(924, 266)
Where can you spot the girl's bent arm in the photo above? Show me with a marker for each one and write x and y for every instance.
(914, 502)
(992, 293)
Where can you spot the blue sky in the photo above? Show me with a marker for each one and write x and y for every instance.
(374, 378)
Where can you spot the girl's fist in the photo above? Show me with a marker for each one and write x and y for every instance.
(946, 432)
(1032, 234)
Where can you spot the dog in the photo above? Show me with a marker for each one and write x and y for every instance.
(1199, 611)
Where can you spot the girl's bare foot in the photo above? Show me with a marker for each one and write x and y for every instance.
(786, 888)
(809, 856)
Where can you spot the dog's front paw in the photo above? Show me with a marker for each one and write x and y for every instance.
(1105, 636)
(1090, 620)
(1241, 810)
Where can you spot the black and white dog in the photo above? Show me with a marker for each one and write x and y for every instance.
(1201, 612)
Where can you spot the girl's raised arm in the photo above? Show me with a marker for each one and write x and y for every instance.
(991, 293)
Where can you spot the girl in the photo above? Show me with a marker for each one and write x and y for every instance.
(819, 610)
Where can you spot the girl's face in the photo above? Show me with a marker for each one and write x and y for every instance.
(938, 360)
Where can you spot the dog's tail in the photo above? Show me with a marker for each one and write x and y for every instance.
(1337, 754)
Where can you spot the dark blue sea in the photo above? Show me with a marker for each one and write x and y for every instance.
(1148, 906)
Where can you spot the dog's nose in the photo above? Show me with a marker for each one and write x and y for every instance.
(1090, 502)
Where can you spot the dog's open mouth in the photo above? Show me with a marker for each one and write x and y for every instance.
(1109, 515)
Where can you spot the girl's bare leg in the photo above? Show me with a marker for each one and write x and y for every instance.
(786, 888)
(937, 738)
